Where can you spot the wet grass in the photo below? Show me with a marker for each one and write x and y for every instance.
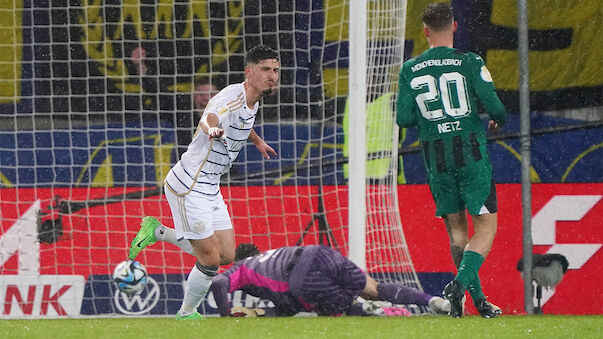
(547, 326)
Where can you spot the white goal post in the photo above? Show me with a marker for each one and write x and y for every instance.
(357, 158)
(376, 237)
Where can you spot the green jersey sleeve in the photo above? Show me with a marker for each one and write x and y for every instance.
(405, 115)
(483, 86)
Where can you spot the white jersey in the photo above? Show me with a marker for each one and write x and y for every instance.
(236, 119)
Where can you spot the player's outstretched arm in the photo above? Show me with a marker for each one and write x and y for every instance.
(261, 145)
(219, 287)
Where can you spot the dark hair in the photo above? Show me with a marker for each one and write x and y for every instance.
(438, 16)
(245, 250)
(259, 53)
(202, 81)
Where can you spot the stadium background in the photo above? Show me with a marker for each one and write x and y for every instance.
(97, 109)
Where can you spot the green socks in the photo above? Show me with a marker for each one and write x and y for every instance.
(475, 289)
(468, 273)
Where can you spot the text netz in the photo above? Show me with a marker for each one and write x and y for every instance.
(436, 62)
(450, 126)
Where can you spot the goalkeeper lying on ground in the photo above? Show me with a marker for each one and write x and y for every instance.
(310, 279)
(297, 279)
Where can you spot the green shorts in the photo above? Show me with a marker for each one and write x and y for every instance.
(471, 187)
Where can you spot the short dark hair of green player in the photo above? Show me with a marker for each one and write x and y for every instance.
(438, 16)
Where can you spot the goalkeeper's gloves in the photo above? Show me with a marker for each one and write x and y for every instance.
(240, 311)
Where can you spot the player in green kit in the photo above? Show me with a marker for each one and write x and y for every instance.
(439, 92)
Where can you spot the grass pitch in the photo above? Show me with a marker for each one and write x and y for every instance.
(544, 326)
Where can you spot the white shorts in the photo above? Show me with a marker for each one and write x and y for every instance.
(197, 217)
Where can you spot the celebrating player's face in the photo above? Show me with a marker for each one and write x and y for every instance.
(263, 76)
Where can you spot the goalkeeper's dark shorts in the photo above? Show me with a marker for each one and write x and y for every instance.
(470, 187)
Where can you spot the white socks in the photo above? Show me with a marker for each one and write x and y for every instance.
(198, 282)
(168, 234)
(197, 285)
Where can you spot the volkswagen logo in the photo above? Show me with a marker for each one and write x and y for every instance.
(137, 304)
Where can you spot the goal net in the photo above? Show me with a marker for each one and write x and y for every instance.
(98, 102)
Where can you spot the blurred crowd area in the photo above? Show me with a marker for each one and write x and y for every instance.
(122, 68)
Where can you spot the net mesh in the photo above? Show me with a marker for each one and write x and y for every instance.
(98, 102)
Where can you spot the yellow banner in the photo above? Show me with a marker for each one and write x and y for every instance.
(579, 65)
(11, 50)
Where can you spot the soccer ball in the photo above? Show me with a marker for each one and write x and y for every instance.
(130, 277)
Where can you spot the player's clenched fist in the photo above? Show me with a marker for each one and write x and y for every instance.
(215, 133)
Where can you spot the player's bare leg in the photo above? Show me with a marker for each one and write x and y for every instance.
(485, 229)
(226, 242)
(159, 232)
(207, 251)
(458, 233)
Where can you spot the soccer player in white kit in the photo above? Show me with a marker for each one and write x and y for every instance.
(192, 187)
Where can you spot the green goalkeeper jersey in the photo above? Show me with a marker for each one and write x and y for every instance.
(439, 92)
